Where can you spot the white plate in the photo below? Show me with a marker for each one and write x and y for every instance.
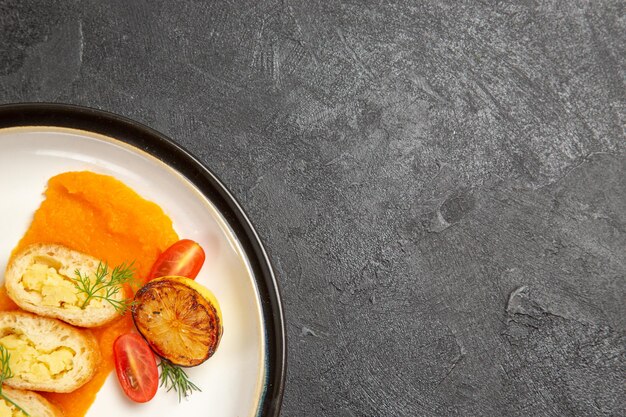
(240, 379)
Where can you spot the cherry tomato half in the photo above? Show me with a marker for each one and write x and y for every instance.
(136, 367)
(184, 259)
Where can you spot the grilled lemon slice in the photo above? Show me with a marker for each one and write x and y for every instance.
(179, 318)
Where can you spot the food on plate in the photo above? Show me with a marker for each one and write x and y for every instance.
(60, 271)
(47, 354)
(100, 216)
(179, 318)
(184, 259)
(136, 367)
(54, 281)
(34, 404)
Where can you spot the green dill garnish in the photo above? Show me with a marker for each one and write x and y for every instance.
(6, 373)
(174, 377)
(106, 285)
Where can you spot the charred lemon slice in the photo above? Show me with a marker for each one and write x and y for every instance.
(179, 318)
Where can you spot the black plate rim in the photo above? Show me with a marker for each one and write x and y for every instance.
(163, 148)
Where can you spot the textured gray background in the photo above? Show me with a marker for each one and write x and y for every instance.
(440, 185)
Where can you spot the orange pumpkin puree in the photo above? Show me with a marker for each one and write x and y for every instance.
(98, 215)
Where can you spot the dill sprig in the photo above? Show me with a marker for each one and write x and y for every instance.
(173, 377)
(106, 285)
(6, 373)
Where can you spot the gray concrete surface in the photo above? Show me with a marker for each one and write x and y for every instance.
(440, 184)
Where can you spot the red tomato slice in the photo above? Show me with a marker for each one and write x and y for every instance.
(136, 367)
(184, 259)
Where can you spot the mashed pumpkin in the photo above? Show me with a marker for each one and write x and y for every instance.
(100, 216)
